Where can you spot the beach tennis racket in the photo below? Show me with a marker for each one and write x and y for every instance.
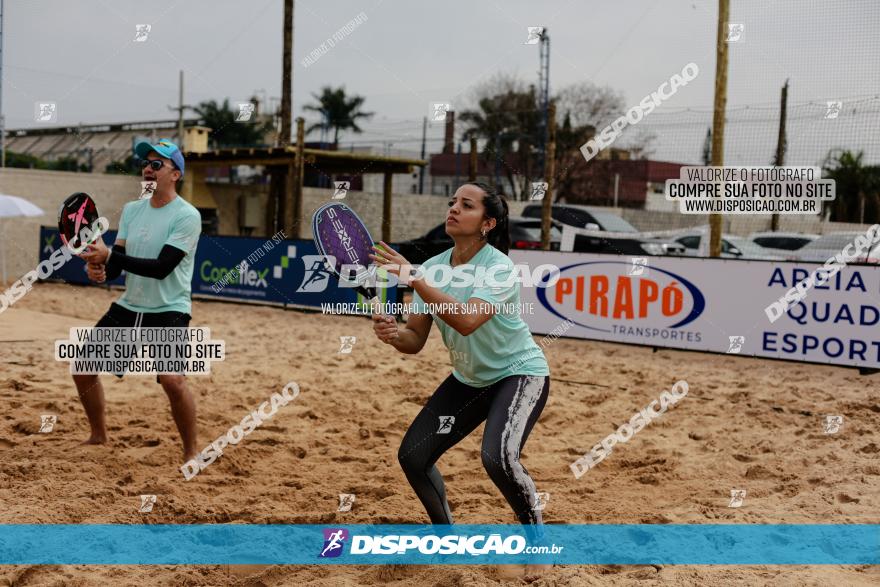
(76, 213)
(345, 243)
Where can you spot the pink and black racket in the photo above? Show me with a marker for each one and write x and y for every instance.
(344, 241)
(76, 213)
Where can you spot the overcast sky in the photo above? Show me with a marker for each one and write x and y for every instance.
(407, 54)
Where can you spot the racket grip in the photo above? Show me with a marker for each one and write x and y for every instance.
(376, 305)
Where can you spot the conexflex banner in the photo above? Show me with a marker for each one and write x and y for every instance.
(272, 270)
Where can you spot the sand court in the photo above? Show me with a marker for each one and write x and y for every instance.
(745, 424)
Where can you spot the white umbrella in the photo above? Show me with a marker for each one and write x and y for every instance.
(10, 207)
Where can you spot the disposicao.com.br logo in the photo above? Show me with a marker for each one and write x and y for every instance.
(431, 544)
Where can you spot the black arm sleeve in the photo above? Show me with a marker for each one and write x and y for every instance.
(169, 258)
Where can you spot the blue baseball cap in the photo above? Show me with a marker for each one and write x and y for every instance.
(165, 147)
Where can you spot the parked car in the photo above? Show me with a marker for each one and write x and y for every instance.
(582, 217)
(525, 233)
(788, 241)
(732, 247)
(622, 239)
(829, 245)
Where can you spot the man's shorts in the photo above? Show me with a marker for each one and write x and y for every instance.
(120, 317)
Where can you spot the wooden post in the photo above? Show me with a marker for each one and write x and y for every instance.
(279, 181)
(472, 161)
(296, 176)
(718, 118)
(290, 196)
(286, 74)
(779, 161)
(386, 208)
(549, 172)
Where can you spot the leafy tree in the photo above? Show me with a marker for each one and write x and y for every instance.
(507, 113)
(339, 111)
(22, 160)
(857, 187)
(127, 167)
(226, 131)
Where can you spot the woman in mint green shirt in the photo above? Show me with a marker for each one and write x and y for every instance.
(499, 374)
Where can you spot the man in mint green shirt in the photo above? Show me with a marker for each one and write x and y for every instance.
(156, 247)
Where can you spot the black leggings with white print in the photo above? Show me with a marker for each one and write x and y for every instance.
(510, 408)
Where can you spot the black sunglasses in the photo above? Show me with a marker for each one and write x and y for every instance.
(154, 164)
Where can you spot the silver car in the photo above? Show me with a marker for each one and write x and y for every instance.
(829, 245)
(732, 247)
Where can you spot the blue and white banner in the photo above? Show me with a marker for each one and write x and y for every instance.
(627, 544)
(269, 270)
(715, 305)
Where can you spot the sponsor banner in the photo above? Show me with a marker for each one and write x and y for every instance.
(243, 268)
(74, 270)
(715, 305)
(625, 544)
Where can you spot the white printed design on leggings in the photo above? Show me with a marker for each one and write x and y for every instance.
(528, 392)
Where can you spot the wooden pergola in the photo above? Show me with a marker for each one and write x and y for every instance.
(294, 158)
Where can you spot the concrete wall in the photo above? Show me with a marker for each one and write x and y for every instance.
(412, 215)
(19, 237)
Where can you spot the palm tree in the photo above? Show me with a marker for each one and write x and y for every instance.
(225, 130)
(857, 187)
(506, 116)
(339, 111)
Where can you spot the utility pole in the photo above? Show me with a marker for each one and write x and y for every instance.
(550, 170)
(543, 98)
(472, 160)
(180, 142)
(497, 160)
(279, 174)
(422, 169)
(286, 75)
(718, 118)
(180, 109)
(2, 116)
(616, 188)
(779, 161)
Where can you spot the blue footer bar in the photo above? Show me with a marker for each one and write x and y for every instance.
(625, 544)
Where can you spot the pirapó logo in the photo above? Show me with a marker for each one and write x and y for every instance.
(601, 296)
(334, 540)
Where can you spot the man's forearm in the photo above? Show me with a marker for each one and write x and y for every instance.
(159, 268)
